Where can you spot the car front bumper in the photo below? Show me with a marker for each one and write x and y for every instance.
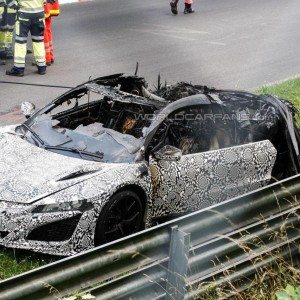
(58, 233)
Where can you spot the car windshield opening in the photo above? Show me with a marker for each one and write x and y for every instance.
(92, 125)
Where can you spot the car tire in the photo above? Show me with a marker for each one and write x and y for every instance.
(121, 216)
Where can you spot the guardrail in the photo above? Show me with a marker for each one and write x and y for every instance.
(181, 258)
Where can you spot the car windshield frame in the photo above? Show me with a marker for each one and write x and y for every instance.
(75, 94)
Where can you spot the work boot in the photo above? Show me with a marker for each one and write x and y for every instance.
(42, 70)
(19, 72)
(188, 9)
(174, 9)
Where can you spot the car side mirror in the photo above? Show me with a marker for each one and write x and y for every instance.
(168, 153)
(27, 109)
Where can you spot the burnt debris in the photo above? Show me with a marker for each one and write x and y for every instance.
(107, 119)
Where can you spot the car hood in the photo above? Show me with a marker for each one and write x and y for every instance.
(29, 173)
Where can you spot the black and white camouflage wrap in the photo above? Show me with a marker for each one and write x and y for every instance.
(200, 180)
(31, 176)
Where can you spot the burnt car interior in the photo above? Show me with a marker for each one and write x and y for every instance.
(269, 118)
(116, 103)
(119, 116)
(194, 130)
(103, 120)
(106, 117)
(253, 118)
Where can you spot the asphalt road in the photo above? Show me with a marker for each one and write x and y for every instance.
(225, 43)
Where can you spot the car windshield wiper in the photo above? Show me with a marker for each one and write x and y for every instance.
(34, 134)
(74, 150)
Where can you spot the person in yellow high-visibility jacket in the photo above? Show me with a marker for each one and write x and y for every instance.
(6, 29)
(30, 18)
(2, 37)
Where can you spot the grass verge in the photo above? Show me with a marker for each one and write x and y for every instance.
(289, 90)
(13, 262)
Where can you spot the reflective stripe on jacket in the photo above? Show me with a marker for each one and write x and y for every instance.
(28, 6)
(54, 9)
(51, 10)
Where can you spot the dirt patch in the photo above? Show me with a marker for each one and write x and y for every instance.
(14, 116)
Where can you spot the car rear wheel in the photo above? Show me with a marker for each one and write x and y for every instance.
(121, 216)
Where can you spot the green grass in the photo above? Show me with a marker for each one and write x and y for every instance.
(267, 283)
(289, 293)
(16, 262)
(289, 90)
(13, 262)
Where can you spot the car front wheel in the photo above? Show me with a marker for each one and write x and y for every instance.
(121, 216)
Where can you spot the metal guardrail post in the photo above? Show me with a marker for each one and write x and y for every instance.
(178, 264)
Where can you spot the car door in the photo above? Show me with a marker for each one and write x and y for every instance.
(210, 169)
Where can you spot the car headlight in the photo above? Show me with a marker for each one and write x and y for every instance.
(80, 205)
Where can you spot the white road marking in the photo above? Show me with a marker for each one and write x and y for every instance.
(278, 81)
(215, 43)
(181, 30)
(72, 1)
(157, 32)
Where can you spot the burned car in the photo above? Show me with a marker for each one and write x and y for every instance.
(110, 157)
